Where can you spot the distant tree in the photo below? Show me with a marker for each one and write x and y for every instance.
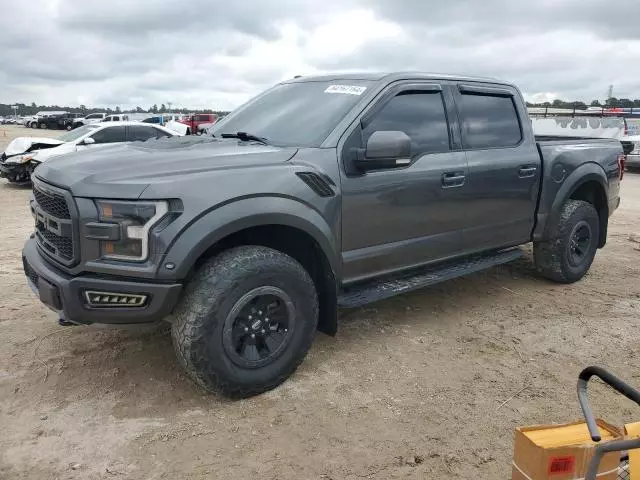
(595, 103)
(612, 102)
(154, 109)
(163, 109)
(118, 109)
(557, 103)
(625, 102)
(33, 105)
(139, 110)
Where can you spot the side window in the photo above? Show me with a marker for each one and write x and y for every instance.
(107, 119)
(110, 135)
(202, 118)
(489, 121)
(420, 115)
(142, 133)
(161, 133)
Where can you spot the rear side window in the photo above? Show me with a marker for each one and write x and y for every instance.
(418, 114)
(140, 133)
(110, 134)
(161, 133)
(489, 121)
(202, 118)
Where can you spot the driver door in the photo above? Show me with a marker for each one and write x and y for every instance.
(414, 213)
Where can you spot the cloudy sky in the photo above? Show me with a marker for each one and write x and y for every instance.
(215, 54)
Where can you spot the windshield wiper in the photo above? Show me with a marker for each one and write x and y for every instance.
(246, 137)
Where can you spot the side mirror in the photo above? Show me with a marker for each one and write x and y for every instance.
(385, 149)
(88, 141)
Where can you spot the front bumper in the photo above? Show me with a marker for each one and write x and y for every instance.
(65, 294)
(632, 161)
(16, 172)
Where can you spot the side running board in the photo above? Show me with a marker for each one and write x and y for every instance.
(375, 290)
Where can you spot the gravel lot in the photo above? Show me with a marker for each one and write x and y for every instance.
(413, 387)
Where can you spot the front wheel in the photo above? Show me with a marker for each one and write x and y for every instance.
(43, 126)
(246, 321)
(568, 257)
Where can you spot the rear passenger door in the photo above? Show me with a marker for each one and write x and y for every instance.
(406, 216)
(504, 166)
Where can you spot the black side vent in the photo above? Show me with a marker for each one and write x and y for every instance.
(317, 183)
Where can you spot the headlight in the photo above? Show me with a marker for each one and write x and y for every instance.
(19, 159)
(135, 219)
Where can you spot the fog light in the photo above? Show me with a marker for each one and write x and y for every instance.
(110, 299)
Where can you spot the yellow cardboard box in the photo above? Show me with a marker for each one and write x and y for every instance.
(561, 452)
(632, 430)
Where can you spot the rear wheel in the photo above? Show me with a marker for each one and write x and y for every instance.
(34, 125)
(246, 321)
(567, 257)
(43, 126)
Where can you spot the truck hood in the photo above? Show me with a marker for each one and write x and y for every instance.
(125, 171)
(27, 144)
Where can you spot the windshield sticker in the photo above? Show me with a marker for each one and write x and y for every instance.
(348, 89)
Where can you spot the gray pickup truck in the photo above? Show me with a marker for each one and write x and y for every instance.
(320, 193)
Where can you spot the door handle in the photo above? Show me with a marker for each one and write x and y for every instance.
(453, 179)
(527, 171)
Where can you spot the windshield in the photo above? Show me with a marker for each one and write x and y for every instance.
(76, 134)
(297, 114)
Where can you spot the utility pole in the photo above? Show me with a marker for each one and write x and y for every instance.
(169, 103)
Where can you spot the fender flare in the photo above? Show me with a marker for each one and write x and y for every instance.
(548, 221)
(232, 217)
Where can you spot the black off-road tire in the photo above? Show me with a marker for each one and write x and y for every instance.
(553, 258)
(210, 297)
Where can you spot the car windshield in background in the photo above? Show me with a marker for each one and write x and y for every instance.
(294, 114)
(76, 134)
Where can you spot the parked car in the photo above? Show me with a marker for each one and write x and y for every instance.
(633, 154)
(61, 121)
(32, 122)
(24, 154)
(194, 121)
(249, 240)
(88, 119)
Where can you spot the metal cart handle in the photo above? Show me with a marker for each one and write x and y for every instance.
(611, 380)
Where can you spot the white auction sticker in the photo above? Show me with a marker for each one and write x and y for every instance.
(348, 89)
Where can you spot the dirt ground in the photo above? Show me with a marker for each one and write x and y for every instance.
(426, 385)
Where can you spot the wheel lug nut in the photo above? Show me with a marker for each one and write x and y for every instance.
(266, 319)
(263, 331)
(250, 317)
(259, 312)
(253, 335)
(246, 329)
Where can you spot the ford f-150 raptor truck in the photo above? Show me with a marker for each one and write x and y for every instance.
(320, 193)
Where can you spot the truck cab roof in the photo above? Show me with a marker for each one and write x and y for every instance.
(388, 77)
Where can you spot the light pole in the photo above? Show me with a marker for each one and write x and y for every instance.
(15, 111)
(169, 103)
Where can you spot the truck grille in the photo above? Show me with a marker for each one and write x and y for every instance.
(52, 204)
(54, 233)
(56, 245)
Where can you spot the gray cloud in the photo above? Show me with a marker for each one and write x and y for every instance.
(217, 54)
